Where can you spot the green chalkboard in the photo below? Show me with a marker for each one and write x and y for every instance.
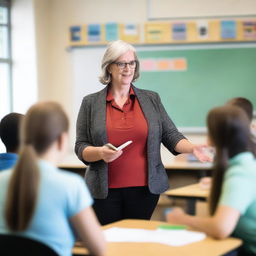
(212, 77)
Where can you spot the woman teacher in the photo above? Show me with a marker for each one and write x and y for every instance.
(126, 183)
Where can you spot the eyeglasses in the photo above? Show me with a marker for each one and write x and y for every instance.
(132, 64)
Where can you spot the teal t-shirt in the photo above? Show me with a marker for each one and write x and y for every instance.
(61, 195)
(239, 192)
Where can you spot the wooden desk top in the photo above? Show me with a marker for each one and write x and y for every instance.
(170, 162)
(193, 190)
(208, 246)
(181, 162)
(71, 161)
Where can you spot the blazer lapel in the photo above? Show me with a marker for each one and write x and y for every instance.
(146, 106)
(100, 116)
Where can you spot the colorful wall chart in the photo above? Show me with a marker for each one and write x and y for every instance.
(172, 32)
(163, 64)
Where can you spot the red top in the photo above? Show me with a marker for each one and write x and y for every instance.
(123, 124)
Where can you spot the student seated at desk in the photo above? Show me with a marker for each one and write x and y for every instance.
(247, 106)
(9, 134)
(233, 194)
(41, 202)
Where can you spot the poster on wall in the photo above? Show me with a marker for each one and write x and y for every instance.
(202, 29)
(130, 33)
(157, 32)
(111, 31)
(249, 30)
(75, 33)
(93, 33)
(228, 29)
(179, 31)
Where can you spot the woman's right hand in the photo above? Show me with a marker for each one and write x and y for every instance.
(109, 155)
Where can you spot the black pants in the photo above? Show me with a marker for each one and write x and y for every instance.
(125, 203)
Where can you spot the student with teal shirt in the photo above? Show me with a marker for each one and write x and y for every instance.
(233, 195)
(41, 202)
(9, 134)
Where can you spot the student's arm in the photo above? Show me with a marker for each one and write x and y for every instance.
(219, 226)
(89, 231)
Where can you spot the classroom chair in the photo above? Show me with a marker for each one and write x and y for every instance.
(11, 245)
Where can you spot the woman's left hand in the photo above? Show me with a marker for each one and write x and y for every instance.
(202, 153)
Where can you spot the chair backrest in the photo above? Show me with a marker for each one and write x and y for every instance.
(11, 245)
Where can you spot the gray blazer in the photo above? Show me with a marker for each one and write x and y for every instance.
(91, 131)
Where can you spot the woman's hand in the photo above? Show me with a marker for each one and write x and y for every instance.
(109, 155)
(176, 216)
(203, 153)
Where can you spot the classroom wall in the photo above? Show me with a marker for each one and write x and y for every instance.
(52, 72)
(24, 54)
(200, 8)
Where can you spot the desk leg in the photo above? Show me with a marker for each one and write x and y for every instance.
(191, 206)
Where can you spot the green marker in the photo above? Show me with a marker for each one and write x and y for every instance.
(173, 227)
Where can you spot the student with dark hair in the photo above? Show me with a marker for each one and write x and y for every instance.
(247, 106)
(9, 134)
(244, 104)
(39, 201)
(233, 195)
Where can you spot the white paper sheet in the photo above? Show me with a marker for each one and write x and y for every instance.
(168, 237)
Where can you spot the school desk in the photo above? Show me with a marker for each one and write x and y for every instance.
(174, 164)
(191, 193)
(208, 246)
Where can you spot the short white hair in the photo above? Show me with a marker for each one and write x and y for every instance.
(114, 50)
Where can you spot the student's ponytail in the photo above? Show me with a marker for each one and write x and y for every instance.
(22, 191)
(218, 172)
(44, 123)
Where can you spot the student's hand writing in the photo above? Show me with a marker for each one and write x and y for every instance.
(176, 216)
(109, 155)
(203, 153)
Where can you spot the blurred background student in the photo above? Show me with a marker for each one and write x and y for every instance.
(39, 201)
(247, 106)
(10, 136)
(233, 196)
(244, 104)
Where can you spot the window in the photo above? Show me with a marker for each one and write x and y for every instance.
(5, 58)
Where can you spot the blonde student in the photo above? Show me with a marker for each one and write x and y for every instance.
(41, 202)
(233, 195)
